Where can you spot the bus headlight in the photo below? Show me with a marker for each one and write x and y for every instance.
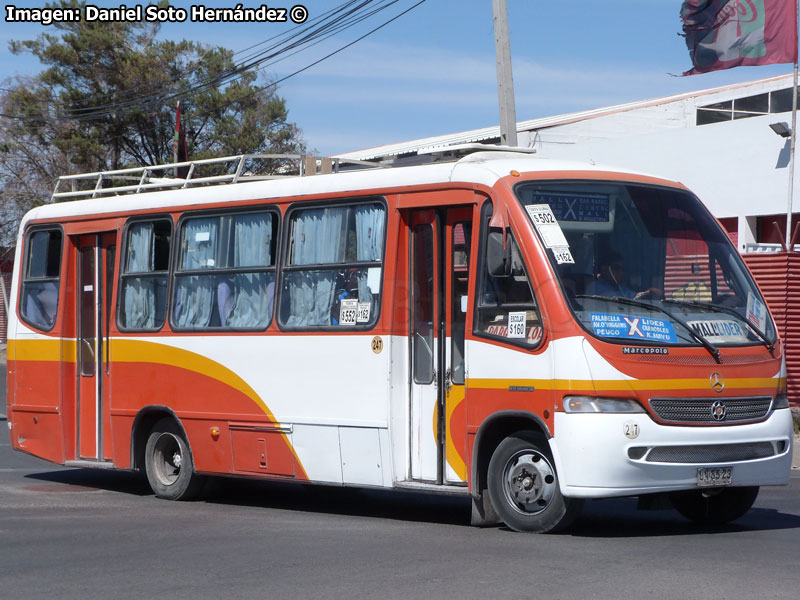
(591, 404)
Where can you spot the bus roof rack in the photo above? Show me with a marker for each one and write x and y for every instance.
(238, 169)
(195, 173)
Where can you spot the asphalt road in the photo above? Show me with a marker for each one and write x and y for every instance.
(75, 533)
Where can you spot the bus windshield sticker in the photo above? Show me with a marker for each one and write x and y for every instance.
(563, 255)
(347, 311)
(363, 312)
(516, 325)
(756, 312)
(545, 222)
(720, 330)
(202, 236)
(374, 279)
(633, 328)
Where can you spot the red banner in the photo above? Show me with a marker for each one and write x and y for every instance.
(722, 34)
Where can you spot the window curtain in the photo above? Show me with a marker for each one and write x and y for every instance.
(140, 302)
(253, 305)
(322, 229)
(194, 295)
(253, 239)
(140, 248)
(369, 243)
(140, 292)
(250, 305)
(200, 244)
(316, 239)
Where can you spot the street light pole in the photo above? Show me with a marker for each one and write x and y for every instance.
(790, 203)
(505, 79)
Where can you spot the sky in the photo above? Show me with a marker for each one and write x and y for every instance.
(432, 71)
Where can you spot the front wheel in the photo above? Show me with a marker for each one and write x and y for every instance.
(523, 486)
(168, 463)
(714, 506)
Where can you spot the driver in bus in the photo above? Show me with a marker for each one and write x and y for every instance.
(610, 281)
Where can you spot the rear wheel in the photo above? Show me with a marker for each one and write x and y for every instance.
(168, 463)
(714, 506)
(523, 486)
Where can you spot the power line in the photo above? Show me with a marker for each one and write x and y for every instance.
(343, 17)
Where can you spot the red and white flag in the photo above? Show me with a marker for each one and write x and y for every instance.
(722, 34)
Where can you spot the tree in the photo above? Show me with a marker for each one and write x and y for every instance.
(106, 100)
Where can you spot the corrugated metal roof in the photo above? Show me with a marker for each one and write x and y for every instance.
(773, 272)
(485, 133)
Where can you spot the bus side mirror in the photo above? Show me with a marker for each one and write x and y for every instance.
(498, 259)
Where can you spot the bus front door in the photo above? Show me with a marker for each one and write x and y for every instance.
(439, 243)
(95, 276)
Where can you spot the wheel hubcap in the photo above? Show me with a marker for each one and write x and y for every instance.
(529, 482)
(167, 459)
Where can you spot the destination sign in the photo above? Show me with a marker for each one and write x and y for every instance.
(568, 206)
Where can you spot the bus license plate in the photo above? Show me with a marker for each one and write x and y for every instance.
(714, 476)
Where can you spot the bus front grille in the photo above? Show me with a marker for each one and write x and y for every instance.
(703, 454)
(716, 411)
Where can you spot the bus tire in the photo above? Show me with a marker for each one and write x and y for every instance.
(523, 486)
(714, 506)
(168, 463)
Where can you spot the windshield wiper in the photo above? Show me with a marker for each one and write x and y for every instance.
(731, 311)
(712, 349)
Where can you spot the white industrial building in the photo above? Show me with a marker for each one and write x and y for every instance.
(718, 142)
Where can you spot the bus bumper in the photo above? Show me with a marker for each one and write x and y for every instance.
(596, 458)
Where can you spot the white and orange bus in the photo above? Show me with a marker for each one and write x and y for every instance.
(527, 332)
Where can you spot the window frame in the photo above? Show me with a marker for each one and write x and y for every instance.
(482, 273)
(176, 272)
(284, 267)
(24, 279)
(122, 275)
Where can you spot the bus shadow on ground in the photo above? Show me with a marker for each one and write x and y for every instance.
(619, 518)
(350, 501)
(607, 518)
(277, 495)
(124, 482)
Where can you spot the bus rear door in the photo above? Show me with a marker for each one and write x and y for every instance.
(95, 276)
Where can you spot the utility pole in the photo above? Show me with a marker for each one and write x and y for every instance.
(505, 80)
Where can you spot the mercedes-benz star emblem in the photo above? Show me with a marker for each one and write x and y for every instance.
(719, 411)
(717, 382)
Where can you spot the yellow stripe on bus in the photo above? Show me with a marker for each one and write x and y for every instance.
(41, 349)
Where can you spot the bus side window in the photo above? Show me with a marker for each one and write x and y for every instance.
(334, 266)
(225, 277)
(145, 270)
(506, 308)
(39, 305)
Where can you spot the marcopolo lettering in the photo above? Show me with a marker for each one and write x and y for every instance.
(643, 350)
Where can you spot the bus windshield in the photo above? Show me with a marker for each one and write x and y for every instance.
(647, 264)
